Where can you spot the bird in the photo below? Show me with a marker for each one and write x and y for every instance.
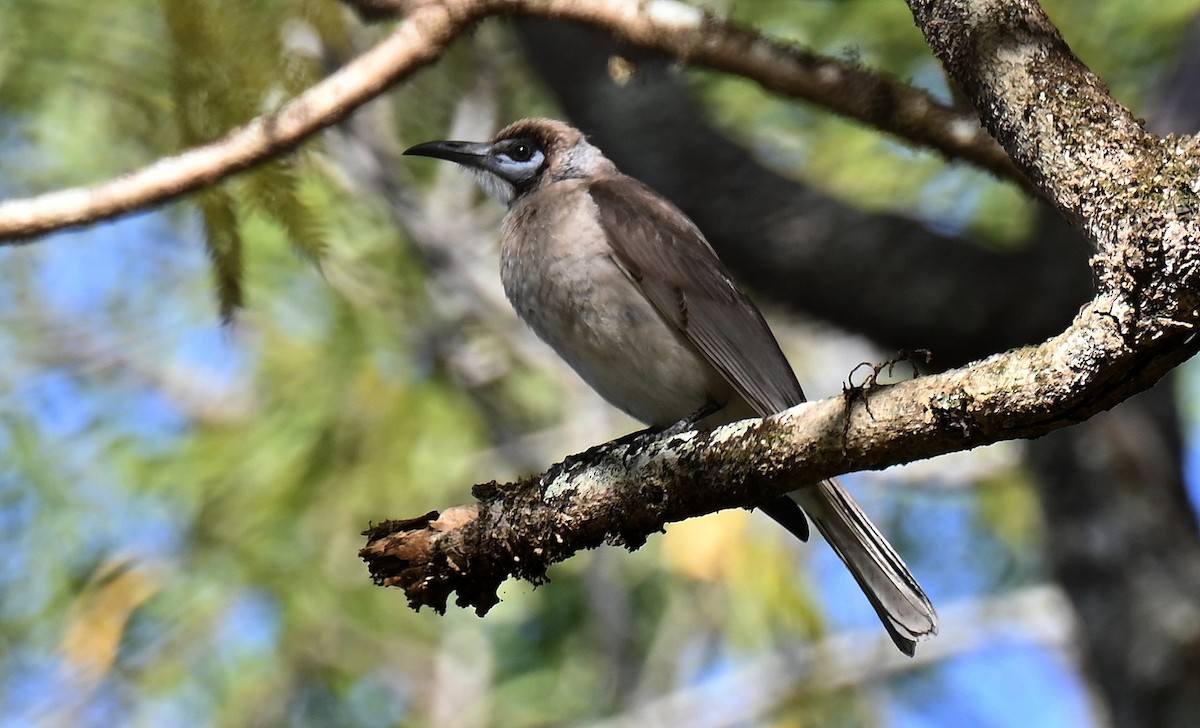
(628, 291)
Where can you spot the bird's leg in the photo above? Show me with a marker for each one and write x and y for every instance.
(687, 423)
(651, 435)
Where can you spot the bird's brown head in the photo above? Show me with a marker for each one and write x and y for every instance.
(523, 156)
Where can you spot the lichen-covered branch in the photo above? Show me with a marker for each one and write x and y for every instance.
(621, 493)
(427, 30)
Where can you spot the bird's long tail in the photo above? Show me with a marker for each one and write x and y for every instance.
(897, 598)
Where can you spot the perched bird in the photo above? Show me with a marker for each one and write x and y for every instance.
(627, 290)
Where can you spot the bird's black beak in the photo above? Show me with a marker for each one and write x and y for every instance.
(468, 154)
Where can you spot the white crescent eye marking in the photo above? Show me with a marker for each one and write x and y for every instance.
(517, 169)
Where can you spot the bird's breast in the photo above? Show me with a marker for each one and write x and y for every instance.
(558, 271)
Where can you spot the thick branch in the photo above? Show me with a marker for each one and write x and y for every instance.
(1134, 194)
(428, 29)
(621, 493)
(1049, 111)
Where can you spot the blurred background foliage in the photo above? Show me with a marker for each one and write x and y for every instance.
(183, 481)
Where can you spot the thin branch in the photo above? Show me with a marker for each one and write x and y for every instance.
(696, 37)
(427, 30)
(412, 45)
(1136, 193)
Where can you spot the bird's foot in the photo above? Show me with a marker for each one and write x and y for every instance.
(687, 424)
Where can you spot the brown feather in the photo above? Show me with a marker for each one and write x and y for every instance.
(689, 286)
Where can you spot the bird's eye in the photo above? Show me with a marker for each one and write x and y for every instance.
(521, 152)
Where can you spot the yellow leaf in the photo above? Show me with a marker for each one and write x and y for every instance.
(97, 619)
(705, 548)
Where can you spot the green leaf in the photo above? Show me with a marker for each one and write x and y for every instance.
(224, 243)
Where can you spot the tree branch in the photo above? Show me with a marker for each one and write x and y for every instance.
(1051, 113)
(426, 32)
(620, 493)
(1134, 194)
(413, 44)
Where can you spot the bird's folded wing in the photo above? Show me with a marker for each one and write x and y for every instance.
(663, 252)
